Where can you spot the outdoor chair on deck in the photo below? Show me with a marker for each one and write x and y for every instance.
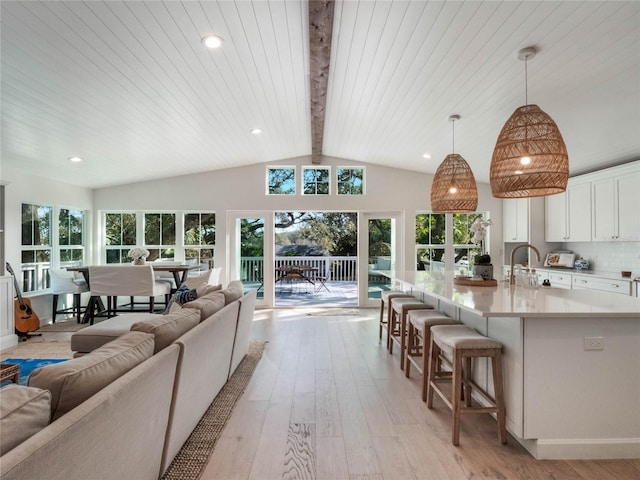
(126, 280)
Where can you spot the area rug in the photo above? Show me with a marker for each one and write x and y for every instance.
(67, 326)
(196, 451)
(28, 365)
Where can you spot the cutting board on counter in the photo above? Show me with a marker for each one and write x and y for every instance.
(475, 283)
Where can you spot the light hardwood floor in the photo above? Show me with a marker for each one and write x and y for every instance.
(328, 402)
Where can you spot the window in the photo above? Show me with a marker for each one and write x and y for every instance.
(315, 181)
(199, 236)
(281, 181)
(36, 247)
(430, 241)
(71, 237)
(160, 235)
(350, 181)
(464, 248)
(120, 236)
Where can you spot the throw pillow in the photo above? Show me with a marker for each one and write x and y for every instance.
(233, 291)
(24, 411)
(184, 294)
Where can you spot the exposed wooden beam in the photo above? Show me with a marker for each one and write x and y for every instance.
(320, 27)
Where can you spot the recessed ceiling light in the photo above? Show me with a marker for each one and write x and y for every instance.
(212, 41)
(256, 131)
(75, 159)
(427, 156)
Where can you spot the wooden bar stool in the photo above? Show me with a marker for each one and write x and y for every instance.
(464, 344)
(385, 298)
(397, 328)
(419, 339)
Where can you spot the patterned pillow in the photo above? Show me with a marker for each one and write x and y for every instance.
(184, 294)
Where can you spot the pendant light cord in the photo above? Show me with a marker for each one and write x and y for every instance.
(453, 136)
(526, 84)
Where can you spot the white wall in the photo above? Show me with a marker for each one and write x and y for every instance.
(243, 188)
(21, 188)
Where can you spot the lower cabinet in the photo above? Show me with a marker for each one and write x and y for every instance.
(600, 283)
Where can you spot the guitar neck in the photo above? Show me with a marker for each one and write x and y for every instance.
(16, 285)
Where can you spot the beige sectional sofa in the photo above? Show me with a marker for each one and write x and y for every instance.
(124, 409)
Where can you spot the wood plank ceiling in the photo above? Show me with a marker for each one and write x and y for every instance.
(130, 88)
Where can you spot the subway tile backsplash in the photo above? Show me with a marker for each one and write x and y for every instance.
(608, 256)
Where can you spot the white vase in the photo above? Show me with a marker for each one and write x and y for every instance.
(139, 261)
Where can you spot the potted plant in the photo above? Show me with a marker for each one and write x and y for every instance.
(482, 261)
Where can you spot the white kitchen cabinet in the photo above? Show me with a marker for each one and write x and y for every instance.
(599, 283)
(560, 280)
(568, 214)
(515, 219)
(616, 216)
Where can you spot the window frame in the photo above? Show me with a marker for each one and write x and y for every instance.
(316, 183)
(271, 168)
(339, 183)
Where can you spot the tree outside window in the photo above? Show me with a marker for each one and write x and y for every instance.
(281, 181)
(199, 236)
(431, 240)
(71, 237)
(36, 246)
(350, 181)
(160, 235)
(315, 181)
(120, 236)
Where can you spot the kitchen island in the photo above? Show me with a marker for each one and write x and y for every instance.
(571, 361)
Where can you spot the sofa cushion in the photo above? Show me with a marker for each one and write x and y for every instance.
(233, 292)
(89, 338)
(24, 411)
(206, 305)
(75, 380)
(167, 328)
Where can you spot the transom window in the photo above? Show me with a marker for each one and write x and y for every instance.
(350, 181)
(281, 180)
(316, 180)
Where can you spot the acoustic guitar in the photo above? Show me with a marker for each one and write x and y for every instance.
(26, 319)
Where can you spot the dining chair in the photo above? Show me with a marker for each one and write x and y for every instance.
(63, 282)
(126, 280)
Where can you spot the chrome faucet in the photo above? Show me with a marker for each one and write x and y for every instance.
(512, 277)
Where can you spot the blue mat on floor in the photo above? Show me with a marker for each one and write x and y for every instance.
(28, 365)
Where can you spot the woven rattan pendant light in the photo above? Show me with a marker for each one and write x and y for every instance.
(530, 158)
(454, 187)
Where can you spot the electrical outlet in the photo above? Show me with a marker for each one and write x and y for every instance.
(594, 343)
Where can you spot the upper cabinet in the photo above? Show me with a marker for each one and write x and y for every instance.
(616, 212)
(568, 214)
(515, 220)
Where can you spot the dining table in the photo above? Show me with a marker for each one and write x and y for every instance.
(95, 303)
(295, 272)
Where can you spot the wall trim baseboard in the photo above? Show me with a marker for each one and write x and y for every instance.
(582, 449)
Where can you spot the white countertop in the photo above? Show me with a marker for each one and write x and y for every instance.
(507, 300)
